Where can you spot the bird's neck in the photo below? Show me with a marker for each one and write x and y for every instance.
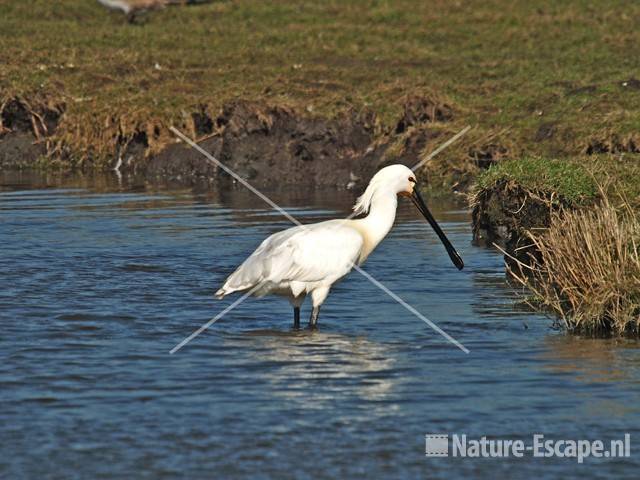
(375, 226)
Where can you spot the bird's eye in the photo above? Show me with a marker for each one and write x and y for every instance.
(412, 179)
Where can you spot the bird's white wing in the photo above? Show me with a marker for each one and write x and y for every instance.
(309, 253)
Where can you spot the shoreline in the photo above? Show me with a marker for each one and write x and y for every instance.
(266, 143)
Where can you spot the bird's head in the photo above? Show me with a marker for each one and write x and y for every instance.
(397, 178)
(401, 180)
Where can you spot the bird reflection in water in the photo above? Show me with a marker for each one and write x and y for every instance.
(316, 368)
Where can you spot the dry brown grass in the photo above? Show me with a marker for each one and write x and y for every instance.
(587, 269)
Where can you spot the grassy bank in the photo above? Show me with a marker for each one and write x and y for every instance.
(534, 78)
(571, 235)
(576, 181)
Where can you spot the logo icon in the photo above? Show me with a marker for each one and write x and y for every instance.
(436, 445)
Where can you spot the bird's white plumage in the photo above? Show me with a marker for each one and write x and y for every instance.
(308, 259)
(297, 260)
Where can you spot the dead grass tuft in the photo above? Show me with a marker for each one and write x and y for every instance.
(587, 269)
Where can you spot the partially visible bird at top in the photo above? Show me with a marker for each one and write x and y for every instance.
(133, 8)
(309, 259)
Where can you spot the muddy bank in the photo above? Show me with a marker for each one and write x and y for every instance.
(24, 133)
(266, 144)
(273, 145)
(504, 213)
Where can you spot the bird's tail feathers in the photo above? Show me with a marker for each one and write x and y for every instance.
(227, 290)
(257, 290)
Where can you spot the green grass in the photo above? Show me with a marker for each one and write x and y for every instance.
(570, 180)
(578, 180)
(509, 68)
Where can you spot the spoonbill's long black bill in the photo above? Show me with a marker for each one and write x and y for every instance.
(416, 198)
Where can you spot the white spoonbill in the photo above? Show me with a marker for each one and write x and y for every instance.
(309, 259)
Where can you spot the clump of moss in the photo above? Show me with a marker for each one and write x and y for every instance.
(587, 269)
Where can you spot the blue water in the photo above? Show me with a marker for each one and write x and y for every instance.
(99, 282)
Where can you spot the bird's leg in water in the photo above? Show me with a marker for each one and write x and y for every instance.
(313, 321)
(318, 296)
(296, 317)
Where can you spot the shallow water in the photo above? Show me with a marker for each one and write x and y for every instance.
(99, 281)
